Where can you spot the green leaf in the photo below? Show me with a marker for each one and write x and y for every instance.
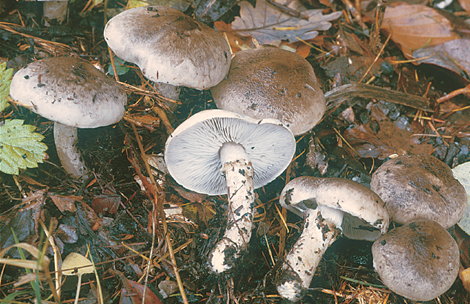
(5, 79)
(20, 147)
(121, 67)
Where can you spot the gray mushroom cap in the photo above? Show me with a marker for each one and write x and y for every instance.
(192, 150)
(419, 260)
(420, 186)
(275, 83)
(70, 91)
(169, 46)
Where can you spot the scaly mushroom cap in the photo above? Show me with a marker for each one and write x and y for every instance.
(419, 260)
(169, 46)
(420, 187)
(272, 83)
(70, 91)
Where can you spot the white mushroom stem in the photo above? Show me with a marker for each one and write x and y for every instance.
(239, 175)
(65, 138)
(320, 231)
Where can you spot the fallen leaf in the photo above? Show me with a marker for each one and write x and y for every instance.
(76, 264)
(465, 4)
(388, 140)
(416, 26)
(452, 55)
(108, 202)
(133, 293)
(65, 203)
(236, 41)
(269, 25)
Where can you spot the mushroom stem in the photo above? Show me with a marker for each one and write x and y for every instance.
(238, 172)
(65, 138)
(320, 231)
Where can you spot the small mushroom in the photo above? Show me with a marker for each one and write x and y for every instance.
(419, 260)
(275, 83)
(169, 47)
(330, 206)
(219, 152)
(72, 93)
(419, 186)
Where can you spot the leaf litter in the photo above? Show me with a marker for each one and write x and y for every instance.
(269, 25)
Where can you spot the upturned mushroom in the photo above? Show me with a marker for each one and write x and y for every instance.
(419, 260)
(420, 186)
(272, 83)
(171, 48)
(72, 93)
(330, 206)
(219, 152)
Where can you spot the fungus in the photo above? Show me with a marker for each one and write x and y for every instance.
(330, 206)
(420, 186)
(72, 93)
(272, 83)
(219, 152)
(170, 48)
(419, 260)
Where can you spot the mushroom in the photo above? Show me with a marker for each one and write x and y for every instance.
(169, 47)
(72, 93)
(275, 83)
(419, 260)
(219, 152)
(419, 186)
(329, 206)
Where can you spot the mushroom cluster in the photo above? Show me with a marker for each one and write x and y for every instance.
(419, 260)
(220, 152)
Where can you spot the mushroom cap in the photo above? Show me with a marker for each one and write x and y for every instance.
(419, 260)
(272, 83)
(169, 46)
(420, 187)
(192, 150)
(70, 91)
(363, 210)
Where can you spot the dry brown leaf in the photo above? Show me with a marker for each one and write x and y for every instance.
(416, 26)
(133, 293)
(269, 25)
(465, 4)
(106, 203)
(237, 42)
(388, 140)
(65, 203)
(452, 55)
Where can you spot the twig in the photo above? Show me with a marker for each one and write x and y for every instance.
(340, 94)
(376, 57)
